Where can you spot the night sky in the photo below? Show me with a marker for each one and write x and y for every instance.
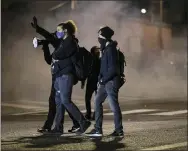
(174, 10)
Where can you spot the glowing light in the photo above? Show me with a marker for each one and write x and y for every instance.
(143, 10)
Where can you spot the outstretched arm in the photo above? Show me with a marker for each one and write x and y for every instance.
(47, 35)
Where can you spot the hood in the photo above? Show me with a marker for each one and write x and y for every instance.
(113, 44)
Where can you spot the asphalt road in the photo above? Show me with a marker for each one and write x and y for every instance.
(148, 125)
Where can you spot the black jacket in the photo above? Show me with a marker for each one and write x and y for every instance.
(62, 57)
(92, 80)
(60, 60)
(47, 55)
(109, 63)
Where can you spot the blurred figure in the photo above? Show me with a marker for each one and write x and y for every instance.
(109, 83)
(92, 80)
(51, 39)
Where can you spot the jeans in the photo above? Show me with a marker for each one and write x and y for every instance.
(63, 86)
(52, 112)
(109, 91)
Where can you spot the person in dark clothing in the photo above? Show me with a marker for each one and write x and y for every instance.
(109, 84)
(92, 80)
(64, 73)
(52, 39)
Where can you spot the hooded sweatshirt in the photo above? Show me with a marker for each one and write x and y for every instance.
(109, 63)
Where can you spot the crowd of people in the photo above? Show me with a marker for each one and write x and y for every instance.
(104, 79)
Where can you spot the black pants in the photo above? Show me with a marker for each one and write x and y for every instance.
(90, 89)
(52, 111)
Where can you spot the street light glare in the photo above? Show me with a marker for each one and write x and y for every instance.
(143, 10)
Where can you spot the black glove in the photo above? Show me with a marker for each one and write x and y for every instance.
(34, 23)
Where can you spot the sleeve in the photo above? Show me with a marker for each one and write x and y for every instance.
(47, 35)
(47, 55)
(63, 52)
(112, 65)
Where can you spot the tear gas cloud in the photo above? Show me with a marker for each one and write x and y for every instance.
(26, 76)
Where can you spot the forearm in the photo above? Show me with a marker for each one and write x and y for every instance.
(44, 33)
(47, 35)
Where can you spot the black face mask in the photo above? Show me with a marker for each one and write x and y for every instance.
(102, 43)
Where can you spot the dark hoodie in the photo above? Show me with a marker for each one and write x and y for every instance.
(64, 49)
(109, 63)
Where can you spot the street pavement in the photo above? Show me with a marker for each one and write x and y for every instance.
(148, 125)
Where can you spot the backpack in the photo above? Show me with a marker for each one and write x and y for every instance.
(83, 64)
(122, 64)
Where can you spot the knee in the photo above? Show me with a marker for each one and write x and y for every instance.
(58, 102)
(98, 105)
(66, 101)
(114, 106)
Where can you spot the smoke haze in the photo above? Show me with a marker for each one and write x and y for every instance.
(26, 76)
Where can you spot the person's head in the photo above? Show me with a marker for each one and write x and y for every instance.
(95, 50)
(65, 29)
(104, 35)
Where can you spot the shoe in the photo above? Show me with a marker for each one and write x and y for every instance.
(84, 127)
(88, 116)
(117, 134)
(73, 129)
(94, 133)
(43, 130)
(56, 131)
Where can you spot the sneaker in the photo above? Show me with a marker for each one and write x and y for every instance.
(84, 127)
(56, 131)
(94, 133)
(117, 134)
(43, 130)
(73, 129)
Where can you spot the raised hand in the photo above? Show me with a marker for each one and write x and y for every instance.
(34, 23)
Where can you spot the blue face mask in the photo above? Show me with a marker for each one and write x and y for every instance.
(60, 34)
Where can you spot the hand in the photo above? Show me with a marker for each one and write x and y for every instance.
(34, 23)
(101, 82)
(98, 85)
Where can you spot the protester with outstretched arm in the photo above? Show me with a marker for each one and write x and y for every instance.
(63, 71)
(52, 106)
